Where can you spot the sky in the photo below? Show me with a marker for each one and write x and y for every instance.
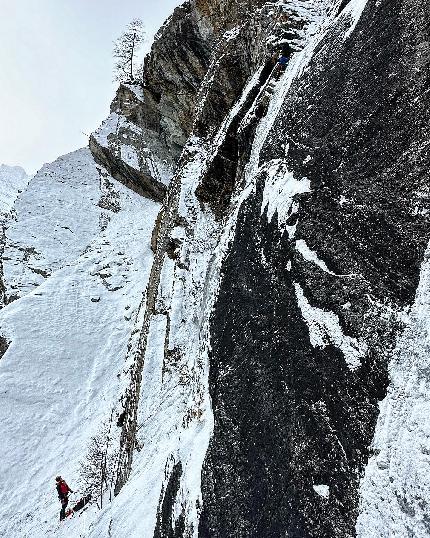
(56, 71)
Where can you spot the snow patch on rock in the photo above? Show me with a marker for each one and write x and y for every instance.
(279, 191)
(129, 156)
(311, 256)
(322, 490)
(325, 330)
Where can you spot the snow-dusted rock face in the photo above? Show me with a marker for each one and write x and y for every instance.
(142, 139)
(307, 312)
(13, 179)
(54, 220)
(131, 153)
(301, 337)
(254, 329)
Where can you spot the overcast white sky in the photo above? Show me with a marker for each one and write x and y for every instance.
(56, 71)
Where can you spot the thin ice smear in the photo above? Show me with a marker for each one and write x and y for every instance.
(311, 256)
(354, 10)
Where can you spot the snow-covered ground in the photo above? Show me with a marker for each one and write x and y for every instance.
(68, 332)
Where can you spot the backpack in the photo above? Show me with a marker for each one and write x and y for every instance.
(64, 488)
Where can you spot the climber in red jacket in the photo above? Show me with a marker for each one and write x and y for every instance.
(63, 491)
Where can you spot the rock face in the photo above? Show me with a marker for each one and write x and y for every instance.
(141, 141)
(290, 411)
(13, 180)
(274, 358)
(306, 316)
(149, 124)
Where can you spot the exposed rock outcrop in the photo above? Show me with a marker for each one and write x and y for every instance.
(311, 308)
(188, 88)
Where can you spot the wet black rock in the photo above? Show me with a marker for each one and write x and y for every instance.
(288, 415)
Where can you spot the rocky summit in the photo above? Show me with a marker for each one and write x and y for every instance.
(221, 307)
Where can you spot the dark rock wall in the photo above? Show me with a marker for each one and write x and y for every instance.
(173, 74)
(280, 406)
(191, 79)
(4, 345)
(262, 32)
(362, 117)
(140, 181)
(288, 415)
(166, 526)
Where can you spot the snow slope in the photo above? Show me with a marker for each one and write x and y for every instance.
(68, 334)
(13, 179)
(55, 219)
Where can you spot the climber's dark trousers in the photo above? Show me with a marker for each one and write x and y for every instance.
(64, 503)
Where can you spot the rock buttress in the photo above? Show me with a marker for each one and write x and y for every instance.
(290, 413)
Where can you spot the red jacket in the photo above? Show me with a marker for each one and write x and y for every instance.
(63, 489)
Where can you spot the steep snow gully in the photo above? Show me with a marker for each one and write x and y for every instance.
(228, 292)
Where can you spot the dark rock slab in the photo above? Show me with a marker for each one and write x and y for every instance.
(166, 526)
(289, 416)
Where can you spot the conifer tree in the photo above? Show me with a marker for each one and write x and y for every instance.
(125, 51)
